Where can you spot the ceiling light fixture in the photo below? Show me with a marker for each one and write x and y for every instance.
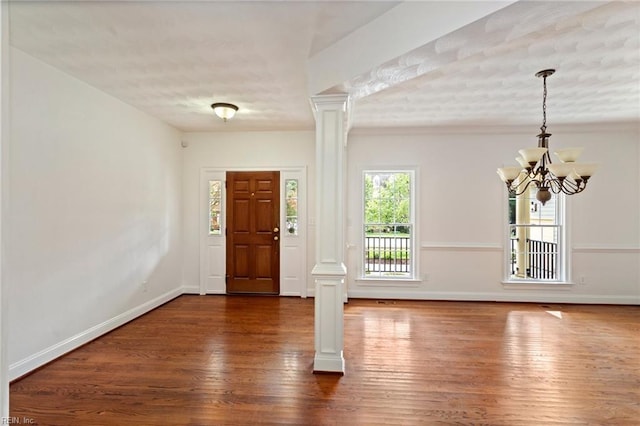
(224, 110)
(568, 177)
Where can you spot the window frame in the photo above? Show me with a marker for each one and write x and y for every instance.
(222, 218)
(564, 260)
(297, 230)
(412, 277)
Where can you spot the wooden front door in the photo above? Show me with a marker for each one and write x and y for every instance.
(253, 234)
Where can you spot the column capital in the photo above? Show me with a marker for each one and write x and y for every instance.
(340, 103)
(331, 101)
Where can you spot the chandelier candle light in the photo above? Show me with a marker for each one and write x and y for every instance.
(568, 177)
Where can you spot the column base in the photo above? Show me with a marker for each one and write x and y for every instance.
(323, 363)
(329, 317)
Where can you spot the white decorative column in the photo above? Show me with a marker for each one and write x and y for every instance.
(523, 217)
(329, 272)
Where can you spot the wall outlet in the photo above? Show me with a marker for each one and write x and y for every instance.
(582, 280)
(425, 278)
(144, 286)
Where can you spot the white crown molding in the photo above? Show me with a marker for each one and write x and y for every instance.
(623, 126)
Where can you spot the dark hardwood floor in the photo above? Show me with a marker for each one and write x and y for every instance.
(216, 360)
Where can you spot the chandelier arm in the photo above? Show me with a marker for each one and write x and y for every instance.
(533, 172)
(569, 187)
(569, 191)
(580, 186)
(573, 187)
(556, 185)
(518, 189)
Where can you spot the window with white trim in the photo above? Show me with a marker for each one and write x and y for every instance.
(536, 247)
(388, 224)
(291, 204)
(215, 207)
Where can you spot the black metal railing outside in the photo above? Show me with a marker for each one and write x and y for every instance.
(514, 268)
(542, 259)
(390, 254)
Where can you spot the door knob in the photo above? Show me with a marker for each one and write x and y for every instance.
(276, 229)
(275, 238)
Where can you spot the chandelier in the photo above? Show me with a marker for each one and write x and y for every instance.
(568, 176)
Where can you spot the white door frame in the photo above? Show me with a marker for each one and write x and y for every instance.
(293, 248)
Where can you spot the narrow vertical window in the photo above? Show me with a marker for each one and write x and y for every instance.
(291, 200)
(388, 224)
(535, 237)
(215, 207)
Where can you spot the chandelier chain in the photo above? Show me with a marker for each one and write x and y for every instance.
(544, 104)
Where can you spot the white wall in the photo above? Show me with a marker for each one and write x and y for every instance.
(462, 208)
(461, 213)
(95, 212)
(235, 151)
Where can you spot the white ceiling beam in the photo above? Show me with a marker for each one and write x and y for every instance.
(402, 29)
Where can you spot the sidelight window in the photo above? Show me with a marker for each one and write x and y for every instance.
(215, 207)
(291, 201)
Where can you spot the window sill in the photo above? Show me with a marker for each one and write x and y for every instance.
(381, 282)
(532, 284)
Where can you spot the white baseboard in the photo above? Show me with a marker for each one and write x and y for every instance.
(194, 289)
(190, 289)
(290, 293)
(556, 297)
(22, 367)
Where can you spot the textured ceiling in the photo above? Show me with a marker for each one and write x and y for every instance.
(173, 59)
(485, 73)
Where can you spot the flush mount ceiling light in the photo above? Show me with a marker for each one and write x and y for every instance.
(224, 110)
(568, 177)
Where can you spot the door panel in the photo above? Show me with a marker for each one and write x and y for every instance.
(253, 238)
(264, 222)
(263, 262)
(241, 261)
(240, 217)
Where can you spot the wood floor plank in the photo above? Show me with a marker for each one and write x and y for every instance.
(217, 360)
